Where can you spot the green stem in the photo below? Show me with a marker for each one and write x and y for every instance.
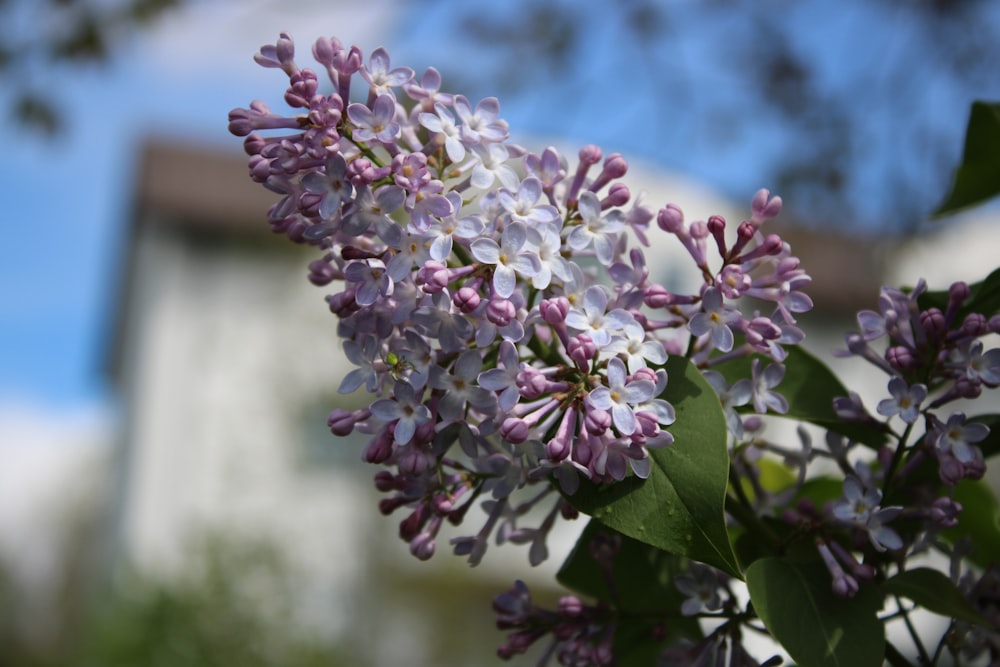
(897, 456)
(925, 659)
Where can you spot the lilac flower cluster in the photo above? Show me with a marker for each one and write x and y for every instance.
(580, 634)
(933, 358)
(491, 299)
(929, 353)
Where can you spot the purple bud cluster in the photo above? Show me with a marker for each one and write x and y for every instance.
(492, 300)
(934, 358)
(580, 633)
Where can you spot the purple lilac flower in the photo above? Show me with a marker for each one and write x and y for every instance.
(507, 257)
(715, 320)
(958, 438)
(762, 383)
(860, 506)
(620, 395)
(905, 400)
(405, 409)
(499, 353)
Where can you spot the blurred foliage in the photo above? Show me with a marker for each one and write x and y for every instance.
(856, 144)
(41, 34)
(232, 607)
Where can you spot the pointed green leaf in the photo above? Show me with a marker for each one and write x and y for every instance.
(680, 508)
(818, 629)
(979, 521)
(977, 179)
(935, 592)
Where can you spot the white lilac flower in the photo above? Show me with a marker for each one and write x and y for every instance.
(905, 400)
(491, 166)
(523, 205)
(443, 231)
(508, 257)
(428, 90)
(482, 124)
(380, 77)
(661, 410)
(636, 346)
(545, 243)
(593, 320)
(442, 122)
(503, 378)
(620, 395)
(596, 229)
(715, 320)
(377, 123)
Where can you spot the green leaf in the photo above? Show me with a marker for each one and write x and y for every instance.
(818, 629)
(680, 507)
(810, 387)
(644, 594)
(935, 592)
(979, 521)
(978, 176)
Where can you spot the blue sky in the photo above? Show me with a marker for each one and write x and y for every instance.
(65, 201)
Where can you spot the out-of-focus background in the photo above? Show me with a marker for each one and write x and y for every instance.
(168, 491)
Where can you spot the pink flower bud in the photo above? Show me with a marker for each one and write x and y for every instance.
(515, 430)
(590, 154)
(466, 299)
(500, 311)
(671, 219)
(554, 310)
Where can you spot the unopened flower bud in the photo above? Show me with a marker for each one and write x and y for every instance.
(671, 219)
(590, 154)
(764, 207)
(422, 546)
(466, 299)
(379, 449)
(500, 311)
(570, 606)
(515, 430)
(582, 350)
(657, 296)
(531, 383)
(618, 195)
(933, 322)
(974, 325)
(554, 310)
(385, 481)
(597, 422)
(900, 357)
(321, 272)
